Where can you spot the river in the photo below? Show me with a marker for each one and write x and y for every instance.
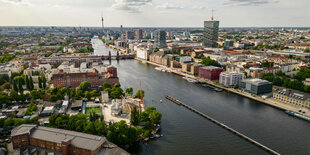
(185, 132)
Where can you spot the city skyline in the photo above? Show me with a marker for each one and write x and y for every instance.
(140, 13)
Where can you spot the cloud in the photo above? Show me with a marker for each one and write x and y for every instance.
(200, 7)
(248, 2)
(16, 2)
(169, 6)
(133, 6)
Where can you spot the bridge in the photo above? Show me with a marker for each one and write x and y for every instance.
(118, 56)
(269, 150)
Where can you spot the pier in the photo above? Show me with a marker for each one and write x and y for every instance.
(269, 150)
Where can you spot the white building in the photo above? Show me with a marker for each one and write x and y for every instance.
(142, 53)
(231, 78)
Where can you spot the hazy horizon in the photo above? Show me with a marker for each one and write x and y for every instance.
(155, 13)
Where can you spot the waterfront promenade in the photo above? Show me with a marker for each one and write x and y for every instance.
(269, 101)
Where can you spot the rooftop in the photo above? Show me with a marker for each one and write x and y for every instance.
(257, 81)
(211, 67)
(78, 139)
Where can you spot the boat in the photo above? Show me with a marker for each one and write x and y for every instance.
(190, 79)
(158, 68)
(156, 135)
(146, 139)
(297, 115)
(218, 89)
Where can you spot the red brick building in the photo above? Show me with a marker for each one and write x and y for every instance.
(28, 138)
(96, 79)
(210, 72)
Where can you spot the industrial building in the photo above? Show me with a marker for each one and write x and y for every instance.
(33, 139)
(256, 86)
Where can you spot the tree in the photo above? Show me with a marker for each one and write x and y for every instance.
(236, 86)
(307, 88)
(35, 94)
(93, 93)
(6, 85)
(129, 91)
(120, 133)
(87, 95)
(4, 98)
(106, 85)
(44, 81)
(27, 82)
(93, 116)
(14, 95)
(101, 127)
(209, 62)
(31, 86)
(138, 93)
(20, 86)
(117, 85)
(85, 86)
(134, 116)
(32, 108)
(40, 82)
(15, 88)
(90, 128)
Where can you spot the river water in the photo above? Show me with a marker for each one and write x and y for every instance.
(185, 132)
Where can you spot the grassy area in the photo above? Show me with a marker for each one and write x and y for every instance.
(96, 109)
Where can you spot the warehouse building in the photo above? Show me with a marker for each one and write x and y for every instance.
(33, 139)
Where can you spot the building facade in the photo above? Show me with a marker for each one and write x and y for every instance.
(139, 34)
(130, 35)
(256, 86)
(292, 97)
(96, 79)
(160, 39)
(210, 34)
(210, 72)
(231, 78)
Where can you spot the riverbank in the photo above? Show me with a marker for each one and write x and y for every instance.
(269, 101)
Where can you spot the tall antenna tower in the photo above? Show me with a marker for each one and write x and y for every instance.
(212, 18)
(102, 20)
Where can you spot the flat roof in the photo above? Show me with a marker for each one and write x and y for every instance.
(256, 81)
(211, 67)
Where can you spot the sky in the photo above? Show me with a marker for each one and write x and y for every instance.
(155, 13)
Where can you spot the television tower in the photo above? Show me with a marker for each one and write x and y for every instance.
(102, 20)
(212, 18)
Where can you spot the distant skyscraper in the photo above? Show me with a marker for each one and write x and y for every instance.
(160, 39)
(139, 34)
(129, 35)
(211, 32)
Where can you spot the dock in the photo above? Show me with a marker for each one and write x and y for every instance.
(269, 150)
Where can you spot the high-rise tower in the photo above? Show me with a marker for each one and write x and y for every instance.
(102, 20)
(160, 39)
(210, 34)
